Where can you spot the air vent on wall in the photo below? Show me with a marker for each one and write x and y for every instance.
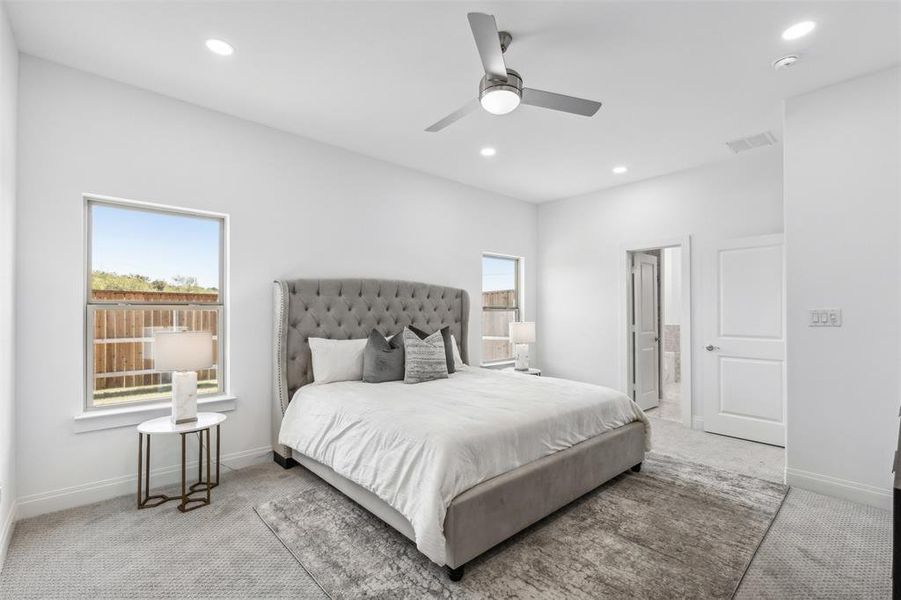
(752, 141)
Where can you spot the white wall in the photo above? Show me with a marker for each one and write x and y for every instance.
(579, 259)
(672, 285)
(9, 60)
(842, 249)
(298, 208)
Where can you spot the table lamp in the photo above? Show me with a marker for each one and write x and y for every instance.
(184, 353)
(522, 334)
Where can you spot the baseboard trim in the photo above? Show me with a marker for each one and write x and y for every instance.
(96, 491)
(840, 488)
(7, 527)
(697, 423)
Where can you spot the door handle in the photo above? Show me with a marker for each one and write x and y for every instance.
(711, 347)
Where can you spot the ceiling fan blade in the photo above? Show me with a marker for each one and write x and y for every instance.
(454, 116)
(484, 30)
(577, 106)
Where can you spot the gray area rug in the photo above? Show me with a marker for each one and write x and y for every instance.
(675, 530)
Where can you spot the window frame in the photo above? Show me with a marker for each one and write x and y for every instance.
(90, 306)
(517, 287)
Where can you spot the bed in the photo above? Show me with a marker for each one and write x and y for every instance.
(456, 465)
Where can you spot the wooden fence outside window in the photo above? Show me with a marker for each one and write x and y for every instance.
(123, 339)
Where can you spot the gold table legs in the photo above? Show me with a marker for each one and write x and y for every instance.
(193, 496)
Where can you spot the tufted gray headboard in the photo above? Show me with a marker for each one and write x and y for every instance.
(349, 309)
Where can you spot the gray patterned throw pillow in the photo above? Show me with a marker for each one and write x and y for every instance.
(424, 359)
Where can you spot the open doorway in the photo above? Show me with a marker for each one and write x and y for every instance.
(671, 317)
(656, 341)
(658, 314)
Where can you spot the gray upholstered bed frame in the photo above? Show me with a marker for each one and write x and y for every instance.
(490, 512)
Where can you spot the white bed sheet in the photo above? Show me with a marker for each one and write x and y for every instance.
(419, 446)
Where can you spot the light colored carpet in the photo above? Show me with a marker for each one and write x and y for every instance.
(110, 550)
(824, 548)
(818, 547)
(732, 454)
(695, 526)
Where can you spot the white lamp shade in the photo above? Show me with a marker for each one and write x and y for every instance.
(522, 332)
(182, 350)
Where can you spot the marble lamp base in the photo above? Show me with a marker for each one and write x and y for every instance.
(184, 396)
(522, 357)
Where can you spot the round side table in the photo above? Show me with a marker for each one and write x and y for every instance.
(164, 425)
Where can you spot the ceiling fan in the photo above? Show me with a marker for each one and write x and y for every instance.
(500, 90)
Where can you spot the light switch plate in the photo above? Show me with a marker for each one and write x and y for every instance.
(824, 317)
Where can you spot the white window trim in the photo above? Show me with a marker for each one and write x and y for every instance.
(96, 418)
(520, 299)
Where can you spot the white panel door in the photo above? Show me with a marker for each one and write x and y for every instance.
(646, 330)
(744, 352)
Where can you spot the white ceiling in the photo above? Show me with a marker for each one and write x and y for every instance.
(678, 79)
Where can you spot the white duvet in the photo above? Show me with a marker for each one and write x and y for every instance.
(419, 446)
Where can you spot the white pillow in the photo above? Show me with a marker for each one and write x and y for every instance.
(337, 360)
(458, 361)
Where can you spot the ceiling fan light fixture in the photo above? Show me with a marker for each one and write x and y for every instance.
(501, 97)
(499, 101)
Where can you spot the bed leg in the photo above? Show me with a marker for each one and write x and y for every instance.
(286, 462)
(636, 468)
(455, 574)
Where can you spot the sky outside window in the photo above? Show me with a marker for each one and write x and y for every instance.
(155, 244)
(498, 273)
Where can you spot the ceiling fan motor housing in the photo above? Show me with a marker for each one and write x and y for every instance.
(513, 84)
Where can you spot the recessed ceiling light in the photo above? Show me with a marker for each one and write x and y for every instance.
(620, 170)
(488, 151)
(219, 47)
(798, 30)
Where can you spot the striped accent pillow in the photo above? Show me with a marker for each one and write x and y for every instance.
(424, 359)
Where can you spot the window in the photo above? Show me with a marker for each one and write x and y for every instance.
(149, 269)
(500, 306)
